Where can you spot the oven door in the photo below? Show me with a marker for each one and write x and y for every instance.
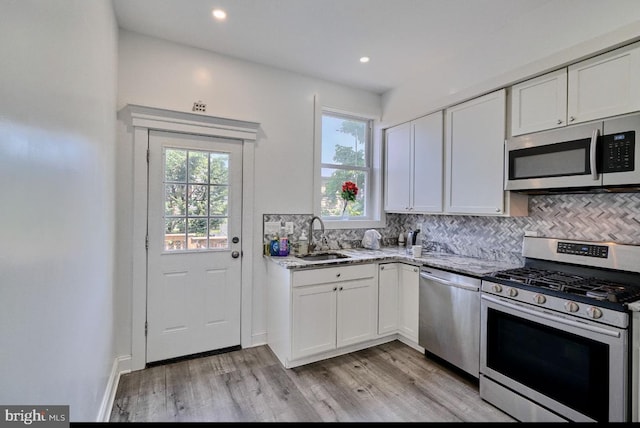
(575, 368)
(561, 158)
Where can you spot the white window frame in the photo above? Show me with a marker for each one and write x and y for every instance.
(375, 215)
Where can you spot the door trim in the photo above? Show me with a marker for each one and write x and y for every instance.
(140, 120)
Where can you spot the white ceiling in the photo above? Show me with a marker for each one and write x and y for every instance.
(326, 38)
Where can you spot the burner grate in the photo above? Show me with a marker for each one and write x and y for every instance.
(591, 287)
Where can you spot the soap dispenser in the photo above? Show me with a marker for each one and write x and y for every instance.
(303, 244)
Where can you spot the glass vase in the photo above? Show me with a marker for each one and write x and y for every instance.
(345, 214)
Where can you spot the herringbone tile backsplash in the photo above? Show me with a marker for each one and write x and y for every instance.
(591, 217)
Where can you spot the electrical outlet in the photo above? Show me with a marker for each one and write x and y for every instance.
(288, 227)
(271, 227)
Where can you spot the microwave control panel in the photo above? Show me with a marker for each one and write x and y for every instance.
(618, 152)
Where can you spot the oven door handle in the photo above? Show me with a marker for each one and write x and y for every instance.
(560, 320)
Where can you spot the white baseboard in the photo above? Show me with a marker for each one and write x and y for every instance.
(121, 365)
(259, 339)
(410, 342)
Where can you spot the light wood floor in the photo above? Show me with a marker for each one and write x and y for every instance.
(387, 383)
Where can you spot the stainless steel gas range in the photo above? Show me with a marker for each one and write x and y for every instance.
(556, 335)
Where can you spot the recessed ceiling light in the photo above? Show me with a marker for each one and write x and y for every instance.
(219, 14)
(364, 59)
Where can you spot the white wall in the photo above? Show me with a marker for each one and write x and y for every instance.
(554, 34)
(57, 114)
(156, 73)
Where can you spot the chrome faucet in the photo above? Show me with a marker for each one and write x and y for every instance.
(312, 246)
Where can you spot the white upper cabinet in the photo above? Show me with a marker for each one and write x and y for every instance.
(427, 163)
(397, 175)
(539, 103)
(607, 85)
(413, 166)
(603, 86)
(474, 142)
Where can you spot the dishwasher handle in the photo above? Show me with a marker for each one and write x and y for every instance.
(447, 282)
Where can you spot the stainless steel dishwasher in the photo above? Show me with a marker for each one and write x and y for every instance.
(449, 317)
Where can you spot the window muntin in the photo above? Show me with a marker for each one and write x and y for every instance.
(345, 156)
(196, 199)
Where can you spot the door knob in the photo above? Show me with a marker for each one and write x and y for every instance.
(235, 254)
(235, 239)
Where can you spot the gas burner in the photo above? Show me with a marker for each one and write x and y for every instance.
(523, 275)
(557, 281)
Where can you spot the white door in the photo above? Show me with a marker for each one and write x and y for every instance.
(193, 258)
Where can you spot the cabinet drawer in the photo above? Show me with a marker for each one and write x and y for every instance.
(333, 274)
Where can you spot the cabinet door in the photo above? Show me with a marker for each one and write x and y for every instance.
(604, 86)
(313, 319)
(427, 161)
(397, 168)
(357, 318)
(388, 298)
(408, 301)
(475, 133)
(539, 103)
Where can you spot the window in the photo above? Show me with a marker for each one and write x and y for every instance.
(196, 187)
(346, 155)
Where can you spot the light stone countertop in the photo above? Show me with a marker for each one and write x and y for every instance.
(460, 264)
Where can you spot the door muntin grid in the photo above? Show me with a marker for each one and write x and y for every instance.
(196, 200)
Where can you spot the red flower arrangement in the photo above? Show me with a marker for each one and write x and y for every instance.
(349, 193)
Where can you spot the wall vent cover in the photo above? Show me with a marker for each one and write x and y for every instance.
(199, 106)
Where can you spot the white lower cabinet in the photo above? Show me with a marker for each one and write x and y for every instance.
(333, 315)
(314, 314)
(408, 285)
(388, 298)
(398, 300)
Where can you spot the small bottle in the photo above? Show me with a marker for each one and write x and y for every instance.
(284, 242)
(274, 246)
(303, 244)
(401, 240)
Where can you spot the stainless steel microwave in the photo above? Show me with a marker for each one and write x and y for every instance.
(596, 155)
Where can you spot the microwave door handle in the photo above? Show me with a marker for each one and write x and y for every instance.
(592, 155)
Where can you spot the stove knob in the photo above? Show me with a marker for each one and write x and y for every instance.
(539, 299)
(497, 288)
(571, 306)
(594, 313)
(513, 292)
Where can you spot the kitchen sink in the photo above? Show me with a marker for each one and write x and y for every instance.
(322, 256)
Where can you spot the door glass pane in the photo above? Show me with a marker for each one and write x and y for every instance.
(218, 236)
(197, 233)
(198, 167)
(174, 236)
(175, 199)
(218, 200)
(196, 199)
(175, 165)
(219, 168)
